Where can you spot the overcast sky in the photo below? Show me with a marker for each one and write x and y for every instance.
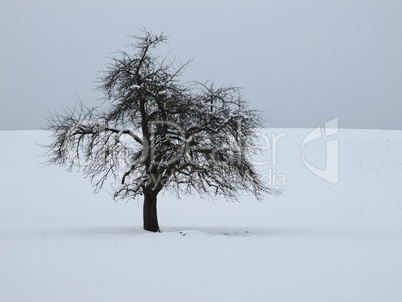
(301, 62)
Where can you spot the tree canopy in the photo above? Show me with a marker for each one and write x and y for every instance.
(155, 132)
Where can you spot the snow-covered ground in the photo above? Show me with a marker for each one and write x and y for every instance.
(316, 242)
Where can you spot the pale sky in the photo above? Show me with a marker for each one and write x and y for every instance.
(301, 62)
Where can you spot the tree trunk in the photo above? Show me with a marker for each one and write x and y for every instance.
(150, 212)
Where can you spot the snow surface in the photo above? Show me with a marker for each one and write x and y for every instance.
(316, 242)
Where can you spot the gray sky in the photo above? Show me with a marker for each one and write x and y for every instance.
(301, 62)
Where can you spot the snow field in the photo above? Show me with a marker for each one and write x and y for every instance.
(315, 242)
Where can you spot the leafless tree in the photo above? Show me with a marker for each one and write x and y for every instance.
(154, 132)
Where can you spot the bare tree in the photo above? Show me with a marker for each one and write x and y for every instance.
(157, 133)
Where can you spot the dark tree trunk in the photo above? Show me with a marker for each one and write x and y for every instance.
(150, 212)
